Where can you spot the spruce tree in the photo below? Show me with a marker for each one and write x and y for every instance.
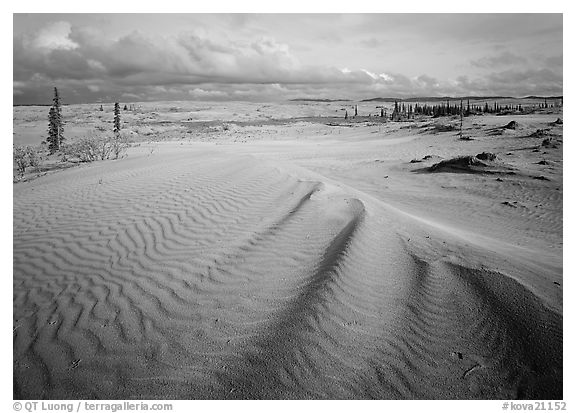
(52, 131)
(55, 128)
(117, 119)
(60, 122)
(56, 99)
(461, 118)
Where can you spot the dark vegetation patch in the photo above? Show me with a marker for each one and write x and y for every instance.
(511, 125)
(484, 163)
(510, 204)
(486, 156)
(558, 121)
(461, 163)
(443, 128)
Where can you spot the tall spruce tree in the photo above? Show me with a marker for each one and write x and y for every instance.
(55, 128)
(461, 117)
(52, 139)
(117, 126)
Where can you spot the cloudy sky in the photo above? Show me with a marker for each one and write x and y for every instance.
(137, 57)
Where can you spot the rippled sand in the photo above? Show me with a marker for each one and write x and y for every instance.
(320, 264)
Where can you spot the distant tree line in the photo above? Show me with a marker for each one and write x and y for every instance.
(404, 111)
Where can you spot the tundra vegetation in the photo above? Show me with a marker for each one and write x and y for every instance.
(57, 152)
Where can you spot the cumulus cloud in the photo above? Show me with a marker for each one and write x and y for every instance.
(427, 82)
(194, 64)
(201, 93)
(52, 37)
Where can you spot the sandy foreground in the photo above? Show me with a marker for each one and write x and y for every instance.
(296, 260)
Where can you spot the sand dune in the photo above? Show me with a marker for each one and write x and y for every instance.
(206, 271)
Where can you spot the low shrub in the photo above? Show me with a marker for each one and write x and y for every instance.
(119, 144)
(25, 156)
(96, 147)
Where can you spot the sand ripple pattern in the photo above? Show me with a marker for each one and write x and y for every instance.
(194, 277)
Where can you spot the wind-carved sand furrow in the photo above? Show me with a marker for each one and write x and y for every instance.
(268, 234)
(278, 346)
(270, 229)
(236, 262)
(256, 246)
(250, 245)
(303, 200)
(460, 323)
(429, 334)
(273, 227)
(533, 332)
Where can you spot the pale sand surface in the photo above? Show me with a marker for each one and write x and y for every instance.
(295, 260)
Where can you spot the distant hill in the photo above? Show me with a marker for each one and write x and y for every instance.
(445, 98)
(435, 98)
(319, 100)
(37, 104)
(543, 97)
